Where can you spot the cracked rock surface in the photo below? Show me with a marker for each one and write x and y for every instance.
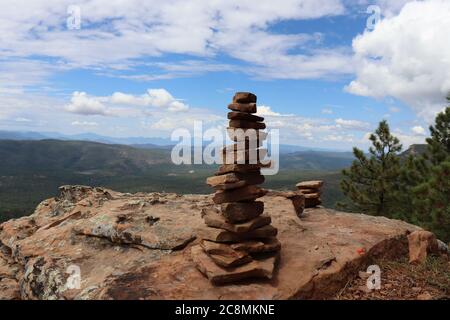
(138, 246)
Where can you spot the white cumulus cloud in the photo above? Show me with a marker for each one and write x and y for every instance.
(267, 111)
(407, 57)
(159, 98)
(120, 103)
(140, 29)
(418, 130)
(81, 103)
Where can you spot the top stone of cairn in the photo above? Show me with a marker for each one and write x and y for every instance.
(244, 97)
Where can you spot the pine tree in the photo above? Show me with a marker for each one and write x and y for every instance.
(439, 142)
(431, 196)
(370, 183)
(413, 172)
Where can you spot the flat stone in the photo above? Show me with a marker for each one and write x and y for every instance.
(242, 194)
(219, 235)
(223, 255)
(243, 107)
(220, 182)
(231, 186)
(254, 136)
(218, 275)
(215, 220)
(253, 246)
(298, 201)
(241, 168)
(315, 184)
(226, 182)
(247, 124)
(244, 97)
(242, 211)
(244, 156)
(234, 180)
(241, 145)
(312, 200)
(311, 195)
(309, 191)
(235, 115)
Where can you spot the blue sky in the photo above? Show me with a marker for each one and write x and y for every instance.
(322, 78)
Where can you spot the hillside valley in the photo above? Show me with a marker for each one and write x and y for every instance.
(32, 170)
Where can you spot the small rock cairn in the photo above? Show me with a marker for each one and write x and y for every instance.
(240, 242)
(312, 191)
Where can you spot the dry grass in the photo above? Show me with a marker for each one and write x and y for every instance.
(403, 281)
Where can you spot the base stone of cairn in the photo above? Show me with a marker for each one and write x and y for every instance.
(311, 190)
(240, 243)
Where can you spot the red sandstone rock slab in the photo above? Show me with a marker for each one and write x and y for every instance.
(261, 246)
(238, 168)
(299, 204)
(234, 180)
(244, 97)
(244, 156)
(225, 182)
(150, 235)
(247, 124)
(219, 235)
(242, 168)
(253, 136)
(239, 212)
(241, 145)
(217, 275)
(215, 220)
(235, 115)
(243, 107)
(308, 191)
(242, 194)
(316, 184)
(320, 252)
(311, 195)
(311, 203)
(312, 200)
(224, 255)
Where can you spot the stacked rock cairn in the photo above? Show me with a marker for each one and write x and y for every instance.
(239, 241)
(312, 191)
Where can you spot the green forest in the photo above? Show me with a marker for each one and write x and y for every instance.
(413, 188)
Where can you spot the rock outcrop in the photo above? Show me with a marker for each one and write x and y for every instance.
(421, 243)
(138, 246)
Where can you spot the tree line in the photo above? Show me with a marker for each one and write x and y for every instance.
(415, 188)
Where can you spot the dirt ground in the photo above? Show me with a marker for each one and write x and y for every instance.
(403, 281)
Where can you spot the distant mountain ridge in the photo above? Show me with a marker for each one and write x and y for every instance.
(23, 156)
(414, 149)
(138, 142)
(86, 156)
(31, 135)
